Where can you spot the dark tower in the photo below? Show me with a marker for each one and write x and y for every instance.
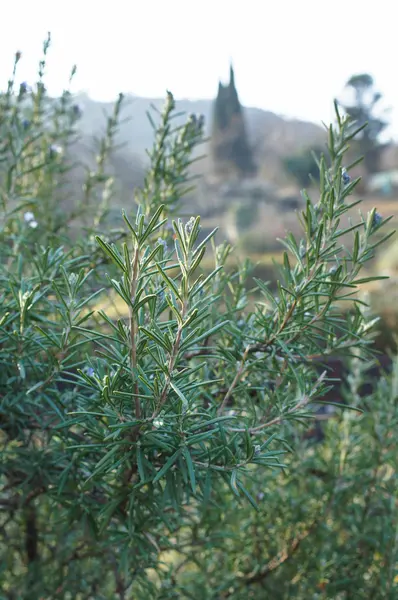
(230, 147)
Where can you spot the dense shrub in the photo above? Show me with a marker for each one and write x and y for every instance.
(162, 455)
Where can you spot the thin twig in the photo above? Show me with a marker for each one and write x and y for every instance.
(235, 381)
(303, 402)
(133, 334)
(171, 365)
(283, 556)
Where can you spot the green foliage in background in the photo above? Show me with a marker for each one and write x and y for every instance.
(162, 455)
(303, 167)
(364, 109)
(242, 215)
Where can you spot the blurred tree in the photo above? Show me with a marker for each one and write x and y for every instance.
(303, 166)
(230, 148)
(363, 109)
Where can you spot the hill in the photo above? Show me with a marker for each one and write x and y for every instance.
(271, 135)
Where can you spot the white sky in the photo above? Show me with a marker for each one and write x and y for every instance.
(290, 56)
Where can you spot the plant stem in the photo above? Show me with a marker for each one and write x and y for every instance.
(304, 401)
(133, 334)
(235, 380)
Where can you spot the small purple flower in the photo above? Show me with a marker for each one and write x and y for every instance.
(23, 88)
(377, 219)
(25, 124)
(346, 177)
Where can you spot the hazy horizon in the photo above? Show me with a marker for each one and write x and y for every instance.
(290, 58)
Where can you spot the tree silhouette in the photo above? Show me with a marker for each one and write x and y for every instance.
(230, 148)
(364, 110)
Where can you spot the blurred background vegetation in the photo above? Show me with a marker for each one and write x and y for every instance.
(252, 170)
(255, 162)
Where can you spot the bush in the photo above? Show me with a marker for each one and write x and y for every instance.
(142, 457)
(325, 529)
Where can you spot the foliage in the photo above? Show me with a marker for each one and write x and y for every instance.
(254, 243)
(134, 451)
(327, 528)
(242, 214)
(37, 135)
(303, 167)
(363, 113)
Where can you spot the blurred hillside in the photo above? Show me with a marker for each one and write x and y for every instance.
(253, 211)
(272, 137)
(253, 195)
(255, 164)
(272, 140)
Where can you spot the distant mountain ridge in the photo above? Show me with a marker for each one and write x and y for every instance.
(268, 132)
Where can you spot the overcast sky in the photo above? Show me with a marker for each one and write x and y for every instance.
(290, 56)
